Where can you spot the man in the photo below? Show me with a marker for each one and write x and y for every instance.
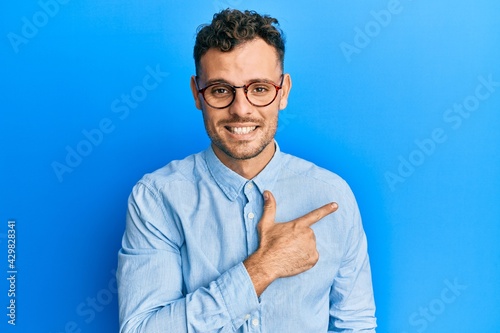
(206, 246)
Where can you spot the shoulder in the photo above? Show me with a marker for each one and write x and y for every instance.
(316, 184)
(298, 167)
(185, 171)
(306, 186)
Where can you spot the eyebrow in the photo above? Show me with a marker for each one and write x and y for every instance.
(221, 80)
(216, 80)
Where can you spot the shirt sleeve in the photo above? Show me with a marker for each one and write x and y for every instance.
(352, 305)
(151, 292)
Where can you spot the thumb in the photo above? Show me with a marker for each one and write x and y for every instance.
(269, 213)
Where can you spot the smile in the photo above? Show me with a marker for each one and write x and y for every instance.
(241, 130)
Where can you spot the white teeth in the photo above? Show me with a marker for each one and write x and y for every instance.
(242, 130)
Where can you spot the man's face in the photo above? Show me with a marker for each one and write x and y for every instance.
(241, 131)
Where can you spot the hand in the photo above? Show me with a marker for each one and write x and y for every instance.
(285, 249)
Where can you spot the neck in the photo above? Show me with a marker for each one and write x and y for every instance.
(248, 168)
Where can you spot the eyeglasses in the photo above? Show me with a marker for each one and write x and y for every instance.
(220, 95)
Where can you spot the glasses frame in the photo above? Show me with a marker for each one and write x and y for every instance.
(245, 90)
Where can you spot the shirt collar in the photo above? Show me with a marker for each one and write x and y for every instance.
(232, 183)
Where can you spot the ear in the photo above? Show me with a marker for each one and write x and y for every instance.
(196, 94)
(285, 91)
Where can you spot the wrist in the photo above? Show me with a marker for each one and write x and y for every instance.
(259, 273)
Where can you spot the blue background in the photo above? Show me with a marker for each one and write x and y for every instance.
(369, 92)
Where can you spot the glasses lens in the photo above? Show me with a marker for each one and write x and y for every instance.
(261, 93)
(219, 95)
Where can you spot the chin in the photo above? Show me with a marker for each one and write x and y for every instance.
(244, 151)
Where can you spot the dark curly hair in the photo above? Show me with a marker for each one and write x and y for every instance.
(231, 27)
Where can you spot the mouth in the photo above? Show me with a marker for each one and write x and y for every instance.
(241, 130)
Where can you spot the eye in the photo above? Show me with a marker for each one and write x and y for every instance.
(260, 88)
(220, 91)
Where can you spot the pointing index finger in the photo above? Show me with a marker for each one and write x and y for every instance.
(314, 216)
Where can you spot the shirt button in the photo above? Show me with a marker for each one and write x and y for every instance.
(250, 186)
(247, 317)
(255, 322)
(251, 215)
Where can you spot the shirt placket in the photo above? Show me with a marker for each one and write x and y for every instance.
(250, 212)
(253, 321)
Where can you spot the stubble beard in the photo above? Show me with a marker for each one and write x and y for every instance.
(242, 150)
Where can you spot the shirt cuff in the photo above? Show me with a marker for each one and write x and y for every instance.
(238, 293)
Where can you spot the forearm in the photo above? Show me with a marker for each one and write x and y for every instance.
(170, 318)
(225, 302)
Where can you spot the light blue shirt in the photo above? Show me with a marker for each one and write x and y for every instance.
(191, 224)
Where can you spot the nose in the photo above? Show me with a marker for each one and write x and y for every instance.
(240, 106)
